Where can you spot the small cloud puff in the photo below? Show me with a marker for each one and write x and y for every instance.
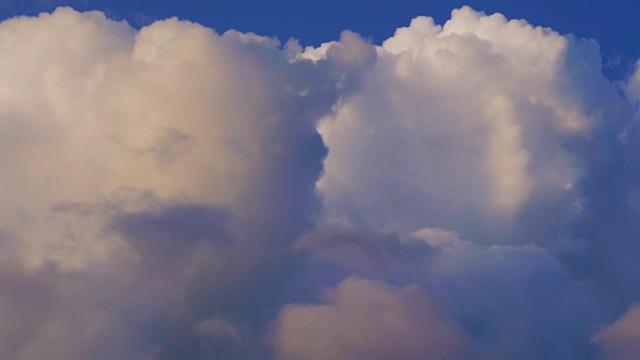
(367, 319)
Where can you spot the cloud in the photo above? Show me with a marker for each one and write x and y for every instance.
(366, 319)
(621, 339)
(172, 166)
(461, 190)
(364, 252)
(505, 297)
(510, 296)
(480, 126)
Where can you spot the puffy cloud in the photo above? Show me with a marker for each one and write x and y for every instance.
(175, 109)
(621, 340)
(509, 297)
(367, 319)
(365, 252)
(461, 190)
(505, 297)
(504, 134)
(172, 165)
(480, 125)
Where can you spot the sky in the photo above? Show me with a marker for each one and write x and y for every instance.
(288, 182)
(611, 23)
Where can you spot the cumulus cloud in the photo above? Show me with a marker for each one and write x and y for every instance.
(621, 340)
(171, 165)
(461, 190)
(508, 136)
(366, 319)
(506, 297)
(478, 126)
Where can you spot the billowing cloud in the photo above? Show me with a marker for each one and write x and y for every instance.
(479, 126)
(507, 297)
(621, 340)
(172, 166)
(365, 319)
(466, 190)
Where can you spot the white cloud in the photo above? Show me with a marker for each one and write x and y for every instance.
(160, 192)
(470, 126)
(91, 107)
(507, 297)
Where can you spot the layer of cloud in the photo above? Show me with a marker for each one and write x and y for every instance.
(464, 190)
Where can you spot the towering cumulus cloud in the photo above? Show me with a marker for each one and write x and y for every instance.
(464, 191)
(153, 182)
(491, 163)
(476, 125)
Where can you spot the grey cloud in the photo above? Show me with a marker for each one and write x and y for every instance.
(505, 298)
(171, 232)
(367, 252)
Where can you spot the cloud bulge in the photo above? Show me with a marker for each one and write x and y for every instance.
(464, 190)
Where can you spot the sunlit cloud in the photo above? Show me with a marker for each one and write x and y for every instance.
(464, 190)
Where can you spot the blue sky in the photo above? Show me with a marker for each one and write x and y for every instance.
(462, 188)
(611, 23)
